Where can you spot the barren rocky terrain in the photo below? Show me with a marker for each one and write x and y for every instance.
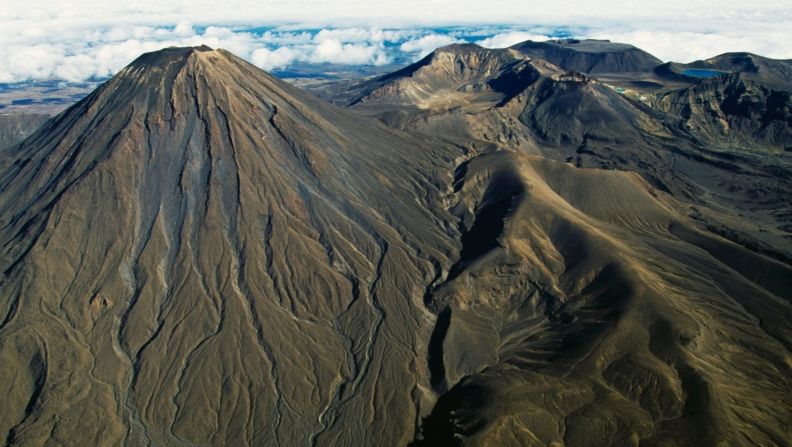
(489, 247)
(15, 127)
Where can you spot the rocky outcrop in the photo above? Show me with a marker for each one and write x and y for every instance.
(733, 111)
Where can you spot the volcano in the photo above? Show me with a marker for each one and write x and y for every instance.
(218, 280)
(201, 254)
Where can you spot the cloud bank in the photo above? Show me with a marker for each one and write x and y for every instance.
(426, 44)
(78, 40)
(101, 53)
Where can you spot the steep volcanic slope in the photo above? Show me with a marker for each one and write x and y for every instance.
(448, 74)
(585, 311)
(459, 75)
(480, 89)
(199, 253)
(734, 111)
(590, 56)
(716, 142)
(500, 96)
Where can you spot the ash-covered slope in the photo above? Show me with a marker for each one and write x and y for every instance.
(716, 142)
(198, 253)
(15, 127)
(586, 310)
(590, 56)
(501, 96)
(734, 111)
(452, 76)
(452, 70)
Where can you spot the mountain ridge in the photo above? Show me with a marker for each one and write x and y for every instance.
(589, 55)
(607, 121)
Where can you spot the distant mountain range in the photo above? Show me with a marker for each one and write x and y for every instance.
(558, 243)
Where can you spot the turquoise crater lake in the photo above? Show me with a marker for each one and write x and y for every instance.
(701, 73)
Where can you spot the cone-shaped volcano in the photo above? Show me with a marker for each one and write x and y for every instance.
(218, 251)
(201, 254)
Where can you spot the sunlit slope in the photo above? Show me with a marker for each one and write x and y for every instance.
(200, 253)
(590, 312)
(720, 144)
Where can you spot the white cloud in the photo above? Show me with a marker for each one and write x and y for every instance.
(35, 61)
(382, 12)
(359, 34)
(272, 59)
(323, 49)
(76, 56)
(426, 44)
(507, 39)
(332, 50)
(184, 28)
(79, 39)
(687, 46)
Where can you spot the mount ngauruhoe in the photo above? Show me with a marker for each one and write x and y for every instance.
(565, 243)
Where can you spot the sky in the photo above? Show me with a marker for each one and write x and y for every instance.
(77, 40)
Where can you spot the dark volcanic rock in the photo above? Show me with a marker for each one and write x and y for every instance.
(732, 111)
(200, 254)
(590, 56)
(719, 140)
